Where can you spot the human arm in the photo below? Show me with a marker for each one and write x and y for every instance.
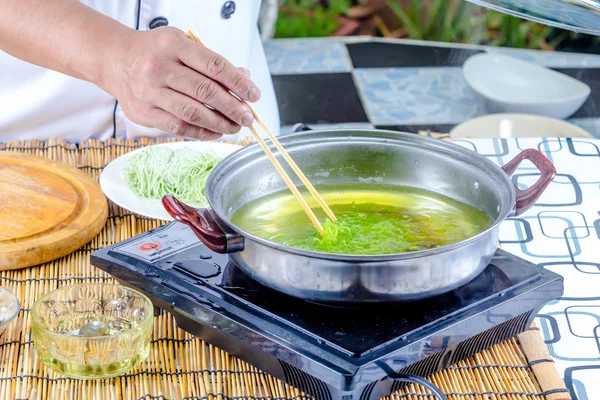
(160, 77)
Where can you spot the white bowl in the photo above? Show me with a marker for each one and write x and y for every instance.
(508, 85)
(516, 126)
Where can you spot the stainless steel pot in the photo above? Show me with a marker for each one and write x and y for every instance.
(345, 156)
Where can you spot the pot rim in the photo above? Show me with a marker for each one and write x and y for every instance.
(451, 147)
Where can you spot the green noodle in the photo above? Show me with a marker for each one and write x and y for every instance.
(372, 220)
(371, 229)
(159, 170)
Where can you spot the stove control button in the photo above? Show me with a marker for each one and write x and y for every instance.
(206, 256)
(198, 268)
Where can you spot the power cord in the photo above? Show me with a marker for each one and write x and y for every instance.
(391, 374)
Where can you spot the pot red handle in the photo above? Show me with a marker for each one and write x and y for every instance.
(526, 198)
(200, 221)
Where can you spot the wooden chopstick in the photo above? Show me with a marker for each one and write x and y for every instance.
(192, 34)
(287, 180)
(294, 166)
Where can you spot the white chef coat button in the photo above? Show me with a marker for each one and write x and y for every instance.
(158, 22)
(228, 9)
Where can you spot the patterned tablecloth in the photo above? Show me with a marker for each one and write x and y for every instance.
(561, 232)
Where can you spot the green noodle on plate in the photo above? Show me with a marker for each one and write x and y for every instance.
(159, 170)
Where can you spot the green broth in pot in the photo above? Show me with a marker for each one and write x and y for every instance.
(372, 220)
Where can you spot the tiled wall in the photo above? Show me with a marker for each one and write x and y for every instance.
(402, 85)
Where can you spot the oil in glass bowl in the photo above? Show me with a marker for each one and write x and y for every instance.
(92, 331)
(84, 327)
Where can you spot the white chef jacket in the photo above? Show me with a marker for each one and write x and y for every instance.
(37, 103)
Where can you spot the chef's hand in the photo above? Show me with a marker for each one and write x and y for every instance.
(164, 80)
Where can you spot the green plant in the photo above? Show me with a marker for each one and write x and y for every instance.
(455, 21)
(438, 20)
(309, 18)
(506, 30)
(462, 22)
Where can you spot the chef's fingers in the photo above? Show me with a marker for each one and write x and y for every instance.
(169, 123)
(244, 71)
(194, 112)
(216, 67)
(207, 91)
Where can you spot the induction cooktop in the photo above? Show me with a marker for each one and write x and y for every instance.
(329, 352)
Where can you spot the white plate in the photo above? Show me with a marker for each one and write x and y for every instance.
(508, 85)
(114, 186)
(516, 126)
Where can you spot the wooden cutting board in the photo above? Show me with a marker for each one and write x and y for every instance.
(47, 210)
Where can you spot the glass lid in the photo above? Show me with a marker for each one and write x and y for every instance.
(582, 16)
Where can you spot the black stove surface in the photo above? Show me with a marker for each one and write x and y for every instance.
(359, 331)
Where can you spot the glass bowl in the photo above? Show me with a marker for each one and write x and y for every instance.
(92, 331)
(9, 308)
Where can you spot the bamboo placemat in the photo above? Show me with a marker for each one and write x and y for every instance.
(181, 366)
